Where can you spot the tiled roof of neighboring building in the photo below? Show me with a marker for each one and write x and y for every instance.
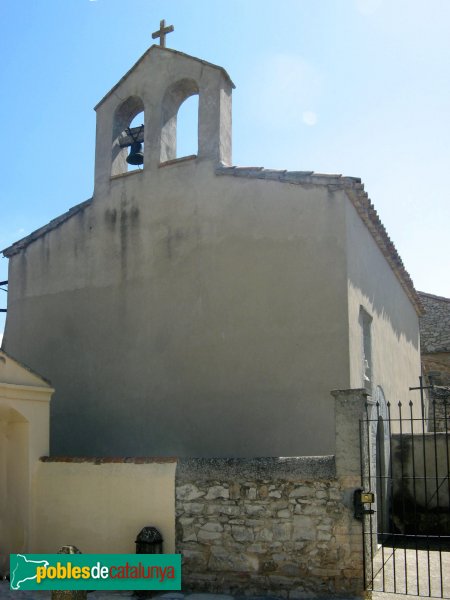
(435, 323)
(360, 200)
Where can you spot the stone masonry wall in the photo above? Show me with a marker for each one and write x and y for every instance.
(267, 526)
(435, 324)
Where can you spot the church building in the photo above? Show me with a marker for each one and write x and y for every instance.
(199, 309)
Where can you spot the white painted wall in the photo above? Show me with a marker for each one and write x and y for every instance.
(192, 314)
(102, 508)
(373, 286)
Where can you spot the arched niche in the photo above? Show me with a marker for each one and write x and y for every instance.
(123, 117)
(14, 480)
(173, 98)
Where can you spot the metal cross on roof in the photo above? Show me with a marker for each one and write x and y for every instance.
(162, 32)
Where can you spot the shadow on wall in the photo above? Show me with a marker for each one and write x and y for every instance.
(393, 308)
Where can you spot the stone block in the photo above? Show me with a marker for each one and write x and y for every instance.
(304, 528)
(263, 492)
(188, 492)
(284, 514)
(280, 556)
(257, 548)
(242, 534)
(335, 494)
(235, 491)
(264, 535)
(217, 491)
(209, 532)
(282, 531)
(302, 492)
(222, 559)
(255, 509)
(268, 566)
(275, 494)
(212, 526)
(223, 509)
(189, 534)
(309, 509)
(251, 493)
(194, 559)
(279, 504)
(290, 569)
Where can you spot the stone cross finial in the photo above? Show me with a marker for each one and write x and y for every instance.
(162, 32)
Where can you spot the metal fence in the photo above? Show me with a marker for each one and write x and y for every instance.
(405, 459)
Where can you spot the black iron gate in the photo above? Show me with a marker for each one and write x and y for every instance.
(404, 501)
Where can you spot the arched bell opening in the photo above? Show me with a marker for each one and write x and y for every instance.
(174, 97)
(187, 127)
(135, 135)
(128, 136)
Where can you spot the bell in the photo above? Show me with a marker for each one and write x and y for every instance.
(136, 156)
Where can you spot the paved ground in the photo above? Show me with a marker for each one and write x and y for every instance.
(7, 594)
(413, 572)
(400, 574)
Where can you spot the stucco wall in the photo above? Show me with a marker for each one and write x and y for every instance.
(206, 316)
(373, 286)
(101, 506)
(24, 437)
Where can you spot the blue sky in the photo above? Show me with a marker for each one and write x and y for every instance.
(358, 87)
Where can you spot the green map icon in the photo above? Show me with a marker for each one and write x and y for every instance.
(23, 569)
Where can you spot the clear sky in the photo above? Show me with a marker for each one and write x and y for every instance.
(358, 87)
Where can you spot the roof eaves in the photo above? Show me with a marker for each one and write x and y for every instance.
(54, 223)
(370, 218)
(434, 297)
(26, 368)
(360, 200)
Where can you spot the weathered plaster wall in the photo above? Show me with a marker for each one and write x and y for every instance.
(395, 324)
(208, 300)
(266, 526)
(100, 506)
(188, 314)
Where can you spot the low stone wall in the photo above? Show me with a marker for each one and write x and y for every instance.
(267, 526)
(439, 408)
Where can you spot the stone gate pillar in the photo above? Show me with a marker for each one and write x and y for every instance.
(350, 409)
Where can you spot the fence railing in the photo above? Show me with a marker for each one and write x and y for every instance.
(405, 462)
